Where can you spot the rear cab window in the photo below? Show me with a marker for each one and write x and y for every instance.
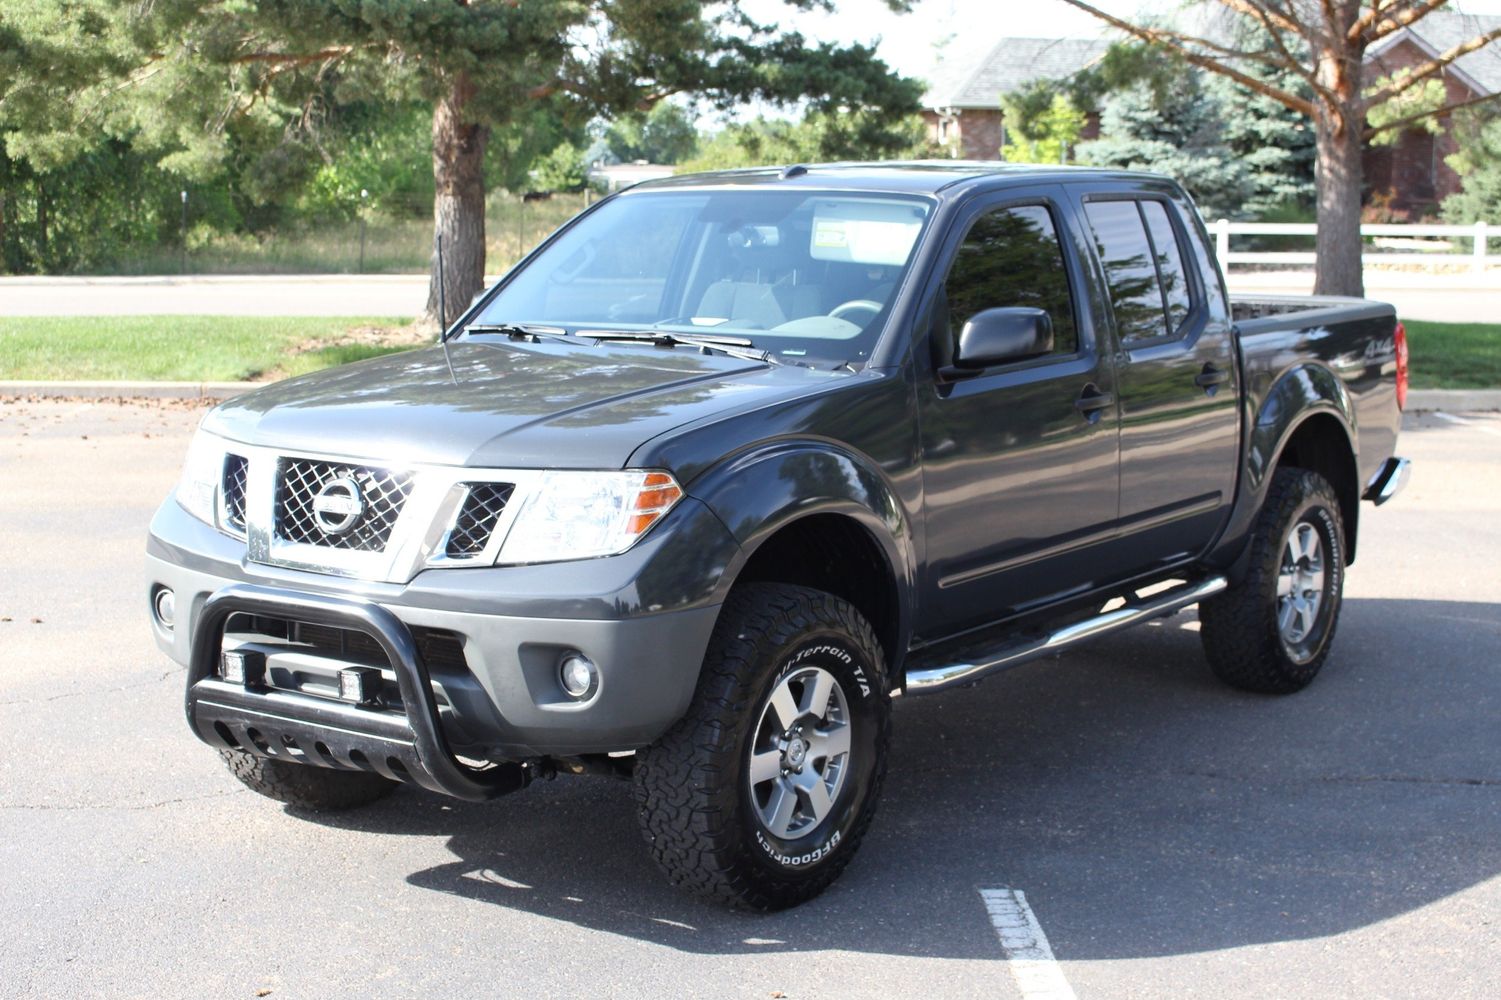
(1142, 254)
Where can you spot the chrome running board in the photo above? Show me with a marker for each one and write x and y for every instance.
(984, 661)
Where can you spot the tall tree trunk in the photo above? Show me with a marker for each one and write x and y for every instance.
(1338, 180)
(1338, 123)
(41, 226)
(458, 202)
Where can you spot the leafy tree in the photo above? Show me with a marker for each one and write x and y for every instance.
(563, 169)
(183, 78)
(1180, 134)
(665, 134)
(820, 136)
(1037, 133)
(1323, 45)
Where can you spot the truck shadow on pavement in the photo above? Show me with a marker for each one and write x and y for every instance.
(1145, 809)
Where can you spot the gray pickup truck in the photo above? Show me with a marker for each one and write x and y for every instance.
(732, 459)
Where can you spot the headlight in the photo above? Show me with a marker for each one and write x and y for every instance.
(579, 515)
(198, 489)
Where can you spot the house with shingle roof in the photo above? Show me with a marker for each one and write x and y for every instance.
(1411, 175)
(962, 106)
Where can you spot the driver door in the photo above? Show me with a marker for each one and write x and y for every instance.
(1020, 461)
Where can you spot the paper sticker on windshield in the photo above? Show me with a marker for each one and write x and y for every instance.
(830, 234)
(865, 231)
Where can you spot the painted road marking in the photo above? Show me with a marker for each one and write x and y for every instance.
(1028, 954)
(1467, 423)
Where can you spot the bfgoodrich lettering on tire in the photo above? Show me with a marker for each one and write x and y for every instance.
(759, 796)
(1271, 631)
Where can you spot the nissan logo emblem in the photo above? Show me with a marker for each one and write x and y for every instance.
(338, 506)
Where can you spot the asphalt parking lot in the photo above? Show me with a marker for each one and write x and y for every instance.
(1174, 838)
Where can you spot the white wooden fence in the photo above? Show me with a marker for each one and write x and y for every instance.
(1476, 233)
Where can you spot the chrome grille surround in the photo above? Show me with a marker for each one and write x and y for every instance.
(232, 507)
(483, 506)
(417, 536)
(298, 481)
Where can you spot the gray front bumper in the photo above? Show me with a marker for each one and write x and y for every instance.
(643, 617)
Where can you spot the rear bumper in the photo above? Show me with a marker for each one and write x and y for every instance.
(643, 618)
(1389, 481)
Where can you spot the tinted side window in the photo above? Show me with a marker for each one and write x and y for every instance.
(1012, 257)
(1170, 271)
(1124, 249)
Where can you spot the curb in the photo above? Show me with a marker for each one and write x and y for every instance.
(127, 390)
(1418, 400)
(1423, 400)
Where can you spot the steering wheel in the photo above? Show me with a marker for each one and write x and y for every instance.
(856, 305)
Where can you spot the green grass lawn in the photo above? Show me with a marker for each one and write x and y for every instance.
(1454, 355)
(190, 348)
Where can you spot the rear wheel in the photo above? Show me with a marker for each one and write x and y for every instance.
(759, 796)
(1271, 632)
(305, 786)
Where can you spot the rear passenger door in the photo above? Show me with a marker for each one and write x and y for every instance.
(1176, 375)
(1019, 460)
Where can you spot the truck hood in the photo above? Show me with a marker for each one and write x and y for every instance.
(506, 405)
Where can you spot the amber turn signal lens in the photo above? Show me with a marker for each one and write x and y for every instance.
(658, 493)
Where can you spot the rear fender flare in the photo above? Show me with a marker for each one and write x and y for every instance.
(1298, 395)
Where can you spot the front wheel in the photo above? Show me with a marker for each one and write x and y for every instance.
(306, 786)
(760, 795)
(1271, 632)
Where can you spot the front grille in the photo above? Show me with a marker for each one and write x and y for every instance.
(476, 521)
(235, 467)
(298, 482)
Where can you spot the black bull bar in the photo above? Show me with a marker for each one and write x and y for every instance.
(304, 729)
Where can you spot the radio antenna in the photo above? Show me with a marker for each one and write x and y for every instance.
(443, 314)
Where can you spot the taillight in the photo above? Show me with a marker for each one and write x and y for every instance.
(1401, 339)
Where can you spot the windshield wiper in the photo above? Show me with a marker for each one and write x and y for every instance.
(738, 347)
(517, 331)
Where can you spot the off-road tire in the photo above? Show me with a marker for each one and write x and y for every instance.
(306, 786)
(693, 787)
(1239, 628)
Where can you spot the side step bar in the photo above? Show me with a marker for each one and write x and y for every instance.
(982, 662)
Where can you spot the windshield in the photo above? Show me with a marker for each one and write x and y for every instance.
(808, 277)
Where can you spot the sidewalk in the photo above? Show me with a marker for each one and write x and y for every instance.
(372, 295)
(1453, 298)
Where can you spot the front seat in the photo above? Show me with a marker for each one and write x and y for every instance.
(751, 304)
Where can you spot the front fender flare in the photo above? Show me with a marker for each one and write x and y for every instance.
(756, 493)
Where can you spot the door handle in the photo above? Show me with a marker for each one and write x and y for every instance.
(1091, 401)
(1211, 378)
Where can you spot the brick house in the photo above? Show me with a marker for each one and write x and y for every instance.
(962, 105)
(1410, 177)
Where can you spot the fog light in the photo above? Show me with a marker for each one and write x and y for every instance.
(165, 606)
(360, 685)
(578, 675)
(242, 666)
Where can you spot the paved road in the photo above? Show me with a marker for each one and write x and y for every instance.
(1453, 298)
(1172, 837)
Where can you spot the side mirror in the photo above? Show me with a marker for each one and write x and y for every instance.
(1000, 336)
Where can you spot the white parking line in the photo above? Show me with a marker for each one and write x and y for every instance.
(1472, 425)
(1028, 954)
